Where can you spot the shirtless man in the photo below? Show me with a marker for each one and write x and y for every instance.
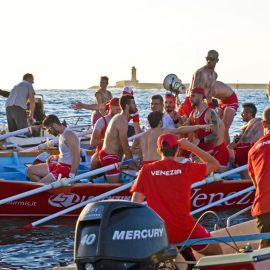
(148, 141)
(135, 117)
(251, 132)
(115, 142)
(204, 77)
(66, 163)
(202, 115)
(228, 103)
(100, 129)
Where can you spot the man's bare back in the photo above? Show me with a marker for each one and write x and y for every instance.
(148, 144)
(221, 90)
(117, 127)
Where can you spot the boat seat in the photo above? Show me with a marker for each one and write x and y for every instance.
(13, 168)
(16, 176)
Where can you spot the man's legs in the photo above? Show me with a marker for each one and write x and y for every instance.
(228, 116)
(36, 172)
(11, 122)
(263, 224)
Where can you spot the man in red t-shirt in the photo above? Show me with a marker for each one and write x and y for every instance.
(166, 184)
(258, 169)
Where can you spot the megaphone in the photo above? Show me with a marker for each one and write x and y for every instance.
(174, 84)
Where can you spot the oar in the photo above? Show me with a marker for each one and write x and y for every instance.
(223, 200)
(15, 133)
(63, 182)
(54, 141)
(218, 176)
(224, 239)
(77, 206)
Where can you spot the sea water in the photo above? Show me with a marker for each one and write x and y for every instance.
(45, 247)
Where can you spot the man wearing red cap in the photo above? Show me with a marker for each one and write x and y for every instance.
(99, 130)
(202, 115)
(166, 185)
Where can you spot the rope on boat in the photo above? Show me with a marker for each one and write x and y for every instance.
(224, 239)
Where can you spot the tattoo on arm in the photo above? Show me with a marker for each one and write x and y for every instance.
(214, 117)
(214, 121)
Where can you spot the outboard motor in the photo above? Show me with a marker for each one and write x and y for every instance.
(174, 84)
(120, 235)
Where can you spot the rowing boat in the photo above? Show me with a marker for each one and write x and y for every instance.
(13, 181)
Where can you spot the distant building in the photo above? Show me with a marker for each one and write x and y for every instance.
(135, 83)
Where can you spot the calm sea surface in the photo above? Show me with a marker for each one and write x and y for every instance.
(45, 248)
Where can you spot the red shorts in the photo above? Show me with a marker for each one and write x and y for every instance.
(221, 153)
(241, 153)
(185, 108)
(229, 102)
(108, 159)
(59, 168)
(207, 147)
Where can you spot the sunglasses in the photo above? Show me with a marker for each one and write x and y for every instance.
(210, 58)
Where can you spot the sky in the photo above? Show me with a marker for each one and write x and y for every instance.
(69, 44)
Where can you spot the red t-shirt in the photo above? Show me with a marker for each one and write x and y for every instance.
(259, 170)
(167, 186)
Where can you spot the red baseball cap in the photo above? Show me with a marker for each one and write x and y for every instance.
(169, 139)
(127, 91)
(112, 102)
(198, 90)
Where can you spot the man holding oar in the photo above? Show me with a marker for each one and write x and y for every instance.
(166, 185)
(258, 169)
(116, 142)
(66, 163)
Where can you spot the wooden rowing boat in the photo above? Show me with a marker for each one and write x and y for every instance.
(13, 181)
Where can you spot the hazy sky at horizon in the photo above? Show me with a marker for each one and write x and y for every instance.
(70, 44)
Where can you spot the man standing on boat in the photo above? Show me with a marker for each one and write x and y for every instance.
(66, 163)
(204, 77)
(202, 115)
(258, 169)
(228, 103)
(166, 185)
(99, 131)
(16, 104)
(116, 142)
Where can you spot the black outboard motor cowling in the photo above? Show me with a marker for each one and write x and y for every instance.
(120, 235)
